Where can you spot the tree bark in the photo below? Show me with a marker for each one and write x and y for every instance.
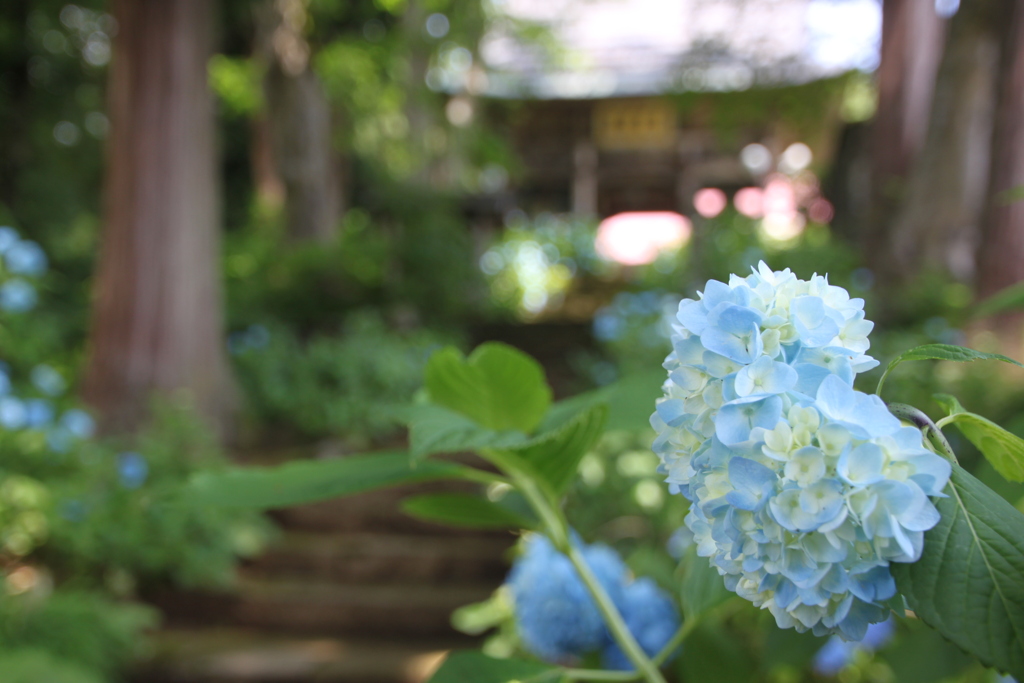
(1001, 250)
(157, 320)
(912, 39)
(299, 119)
(938, 224)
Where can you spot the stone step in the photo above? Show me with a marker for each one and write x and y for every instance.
(375, 512)
(232, 655)
(329, 609)
(384, 558)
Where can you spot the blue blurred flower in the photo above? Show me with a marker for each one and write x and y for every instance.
(17, 296)
(25, 258)
(837, 653)
(8, 238)
(13, 414)
(556, 618)
(804, 489)
(132, 469)
(47, 380)
(38, 413)
(79, 423)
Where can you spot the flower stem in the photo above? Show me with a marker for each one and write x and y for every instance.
(930, 430)
(646, 668)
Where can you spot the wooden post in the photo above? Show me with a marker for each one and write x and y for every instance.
(584, 178)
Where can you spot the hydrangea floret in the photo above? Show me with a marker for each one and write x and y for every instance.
(558, 620)
(803, 489)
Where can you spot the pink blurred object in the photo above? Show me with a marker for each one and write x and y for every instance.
(709, 202)
(636, 238)
(750, 202)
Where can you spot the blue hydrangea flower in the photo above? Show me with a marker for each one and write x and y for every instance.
(79, 423)
(803, 489)
(48, 380)
(25, 258)
(556, 618)
(652, 618)
(837, 653)
(8, 238)
(132, 469)
(17, 296)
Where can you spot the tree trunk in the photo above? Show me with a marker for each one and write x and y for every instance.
(157, 321)
(937, 226)
(912, 38)
(1001, 250)
(299, 118)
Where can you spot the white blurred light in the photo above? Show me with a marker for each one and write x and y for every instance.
(783, 227)
(66, 133)
(709, 202)
(638, 237)
(437, 25)
(756, 158)
(797, 157)
(459, 111)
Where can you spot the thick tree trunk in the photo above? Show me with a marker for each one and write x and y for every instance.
(1001, 251)
(937, 226)
(912, 38)
(157, 322)
(299, 118)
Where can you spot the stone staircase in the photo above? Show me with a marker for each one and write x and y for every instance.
(352, 592)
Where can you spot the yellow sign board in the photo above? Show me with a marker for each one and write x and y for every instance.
(634, 124)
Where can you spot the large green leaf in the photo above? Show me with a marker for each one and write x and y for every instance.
(497, 387)
(433, 429)
(960, 354)
(702, 588)
(556, 455)
(308, 481)
(969, 582)
(712, 654)
(1003, 449)
(463, 510)
(476, 667)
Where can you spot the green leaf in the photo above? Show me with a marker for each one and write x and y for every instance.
(463, 510)
(950, 403)
(555, 456)
(433, 429)
(969, 582)
(497, 387)
(702, 588)
(960, 354)
(476, 667)
(1009, 299)
(714, 655)
(480, 617)
(308, 481)
(1003, 449)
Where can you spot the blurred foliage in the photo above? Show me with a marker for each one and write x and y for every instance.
(71, 634)
(350, 384)
(408, 253)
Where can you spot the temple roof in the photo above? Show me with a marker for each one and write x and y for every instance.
(617, 48)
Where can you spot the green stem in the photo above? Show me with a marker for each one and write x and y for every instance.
(930, 430)
(644, 666)
(558, 530)
(682, 634)
(598, 675)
